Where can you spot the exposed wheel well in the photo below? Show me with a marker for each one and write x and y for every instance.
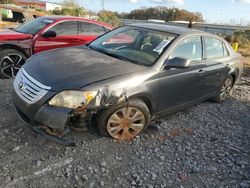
(234, 75)
(11, 46)
(146, 100)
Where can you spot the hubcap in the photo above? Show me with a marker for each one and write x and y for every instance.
(10, 65)
(226, 89)
(126, 123)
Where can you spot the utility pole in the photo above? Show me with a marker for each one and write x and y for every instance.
(102, 4)
(173, 14)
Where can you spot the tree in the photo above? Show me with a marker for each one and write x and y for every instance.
(78, 11)
(163, 13)
(108, 17)
(70, 3)
(240, 37)
(70, 8)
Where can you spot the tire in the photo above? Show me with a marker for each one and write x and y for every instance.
(11, 61)
(129, 127)
(225, 90)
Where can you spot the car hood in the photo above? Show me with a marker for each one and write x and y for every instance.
(76, 67)
(8, 34)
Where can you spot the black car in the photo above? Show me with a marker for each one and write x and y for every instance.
(123, 80)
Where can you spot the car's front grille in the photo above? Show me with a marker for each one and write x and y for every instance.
(29, 89)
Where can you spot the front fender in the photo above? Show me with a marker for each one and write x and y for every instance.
(25, 46)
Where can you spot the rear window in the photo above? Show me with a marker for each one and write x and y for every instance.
(90, 29)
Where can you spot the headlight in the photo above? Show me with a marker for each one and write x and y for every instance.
(72, 99)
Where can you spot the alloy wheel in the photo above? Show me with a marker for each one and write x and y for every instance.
(226, 89)
(10, 64)
(125, 123)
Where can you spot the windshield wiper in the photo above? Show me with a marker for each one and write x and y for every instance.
(107, 53)
(113, 55)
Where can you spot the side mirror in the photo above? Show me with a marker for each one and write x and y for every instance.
(48, 34)
(177, 62)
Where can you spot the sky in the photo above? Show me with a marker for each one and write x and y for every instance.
(214, 11)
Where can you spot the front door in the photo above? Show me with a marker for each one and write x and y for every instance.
(66, 35)
(178, 87)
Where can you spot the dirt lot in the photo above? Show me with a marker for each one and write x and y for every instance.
(207, 145)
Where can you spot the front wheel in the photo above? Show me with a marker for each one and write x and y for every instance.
(124, 121)
(225, 90)
(11, 61)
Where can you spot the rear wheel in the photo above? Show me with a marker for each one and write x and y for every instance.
(10, 62)
(225, 90)
(124, 121)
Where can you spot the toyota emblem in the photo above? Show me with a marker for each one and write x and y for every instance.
(22, 86)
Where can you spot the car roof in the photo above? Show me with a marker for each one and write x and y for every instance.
(59, 18)
(168, 28)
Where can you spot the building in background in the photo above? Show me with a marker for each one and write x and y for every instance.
(38, 4)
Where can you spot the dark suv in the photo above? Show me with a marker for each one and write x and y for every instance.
(123, 79)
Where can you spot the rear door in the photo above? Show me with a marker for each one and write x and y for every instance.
(217, 60)
(66, 35)
(88, 31)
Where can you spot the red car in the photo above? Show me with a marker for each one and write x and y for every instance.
(43, 34)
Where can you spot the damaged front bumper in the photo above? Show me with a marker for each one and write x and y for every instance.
(51, 122)
(42, 128)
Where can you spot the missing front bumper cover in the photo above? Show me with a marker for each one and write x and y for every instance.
(54, 133)
(53, 117)
(55, 138)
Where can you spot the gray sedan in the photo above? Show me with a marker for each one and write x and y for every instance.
(123, 80)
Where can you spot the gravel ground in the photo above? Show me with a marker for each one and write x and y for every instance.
(206, 145)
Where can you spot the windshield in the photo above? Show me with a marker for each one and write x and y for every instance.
(34, 26)
(134, 44)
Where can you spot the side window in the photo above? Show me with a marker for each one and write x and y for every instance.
(190, 48)
(65, 28)
(225, 50)
(90, 29)
(12, 16)
(214, 48)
